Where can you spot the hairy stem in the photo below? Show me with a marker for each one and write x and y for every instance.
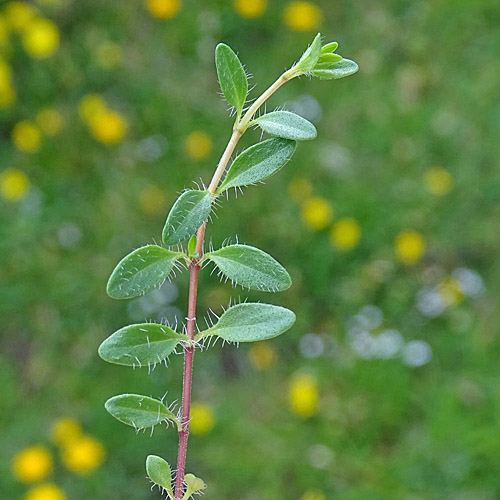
(194, 271)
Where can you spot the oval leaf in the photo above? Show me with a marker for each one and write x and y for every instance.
(287, 125)
(343, 68)
(140, 345)
(141, 271)
(232, 78)
(251, 322)
(258, 162)
(159, 472)
(139, 411)
(251, 267)
(188, 213)
(310, 56)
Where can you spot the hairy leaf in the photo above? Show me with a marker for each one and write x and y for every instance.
(287, 125)
(139, 411)
(310, 56)
(140, 345)
(251, 322)
(343, 68)
(188, 213)
(258, 162)
(232, 78)
(251, 267)
(160, 473)
(193, 484)
(141, 271)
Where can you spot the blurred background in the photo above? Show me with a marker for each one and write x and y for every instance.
(387, 386)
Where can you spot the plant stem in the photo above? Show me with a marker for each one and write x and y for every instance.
(194, 271)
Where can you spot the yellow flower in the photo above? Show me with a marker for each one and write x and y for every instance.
(26, 137)
(83, 455)
(90, 106)
(46, 491)
(108, 127)
(65, 430)
(317, 213)
(303, 395)
(50, 121)
(163, 9)
(409, 247)
(109, 55)
(450, 292)
(198, 145)
(19, 14)
(250, 8)
(262, 356)
(313, 495)
(14, 184)
(41, 38)
(300, 189)
(302, 16)
(152, 200)
(438, 181)
(345, 234)
(202, 418)
(32, 464)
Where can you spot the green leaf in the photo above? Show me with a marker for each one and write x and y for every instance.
(330, 58)
(192, 245)
(193, 484)
(141, 271)
(188, 213)
(140, 345)
(287, 125)
(329, 47)
(251, 322)
(232, 78)
(159, 471)
(139, 411)
(251, 267)
(310, 56)
(343, 68)
(258, 162)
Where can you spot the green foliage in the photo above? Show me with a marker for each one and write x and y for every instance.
(287, 125)
(141, 271)
(194, 485)
(250, 267)
(159, 471)
(336, 70)
(257, 163)
(188, 213)
(232, 78)
(310, 56)
(251, 322)
(139, 411)
(140, 345)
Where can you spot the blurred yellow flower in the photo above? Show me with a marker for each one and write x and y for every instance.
(345, 234)
(26, 136)
(90, 106)
(313, 495)
(108, 127)
(317, 213)
(250, 8)
(302, 16)
(198, 145)
(409, 247)
(41, 38)
(19, 14)
(262, 356)
(109, 55)
(163, 9)
(438, 181)
(32, 464)
(46, 491)
(152, 200)
(14, 184)
(82, 455)
(50, 121)
(303, 395)
(65, 430)
(450, 292)
(300, 189)
(202, 418)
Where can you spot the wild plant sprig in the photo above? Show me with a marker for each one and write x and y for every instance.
(144, 269)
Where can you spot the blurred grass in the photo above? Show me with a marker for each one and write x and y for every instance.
(426, 95)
